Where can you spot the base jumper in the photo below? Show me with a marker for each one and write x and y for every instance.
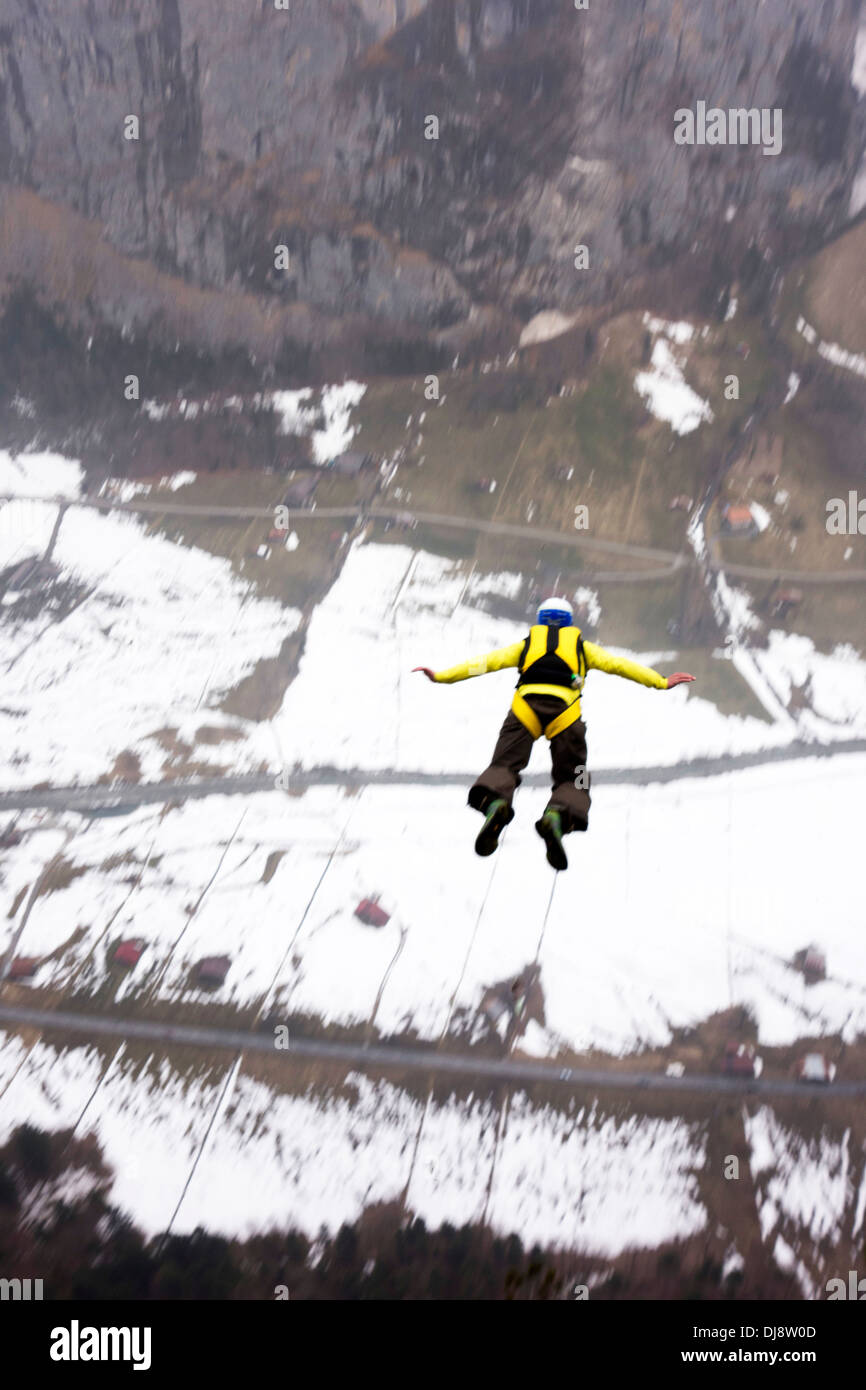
(552, 663)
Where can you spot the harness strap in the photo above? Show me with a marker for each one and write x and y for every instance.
(526, 714)
(562, 721)
(531, 722)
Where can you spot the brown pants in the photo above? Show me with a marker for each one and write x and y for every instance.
(511, 754)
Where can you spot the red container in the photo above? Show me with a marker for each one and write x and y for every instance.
(371, 914)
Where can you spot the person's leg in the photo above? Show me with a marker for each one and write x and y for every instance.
(502, 777)
(570, 778)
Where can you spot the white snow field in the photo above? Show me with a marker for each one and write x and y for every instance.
(217, 1148)
(161, 633)
(39, 475)
(393, 608)
(683, 899)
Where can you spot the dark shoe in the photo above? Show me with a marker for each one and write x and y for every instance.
(497, 816)
(550, 830)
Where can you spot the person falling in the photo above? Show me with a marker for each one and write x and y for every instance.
(552, 661)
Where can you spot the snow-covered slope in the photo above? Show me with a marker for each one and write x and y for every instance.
(156, 634)
(580, 1178)
(681, 901)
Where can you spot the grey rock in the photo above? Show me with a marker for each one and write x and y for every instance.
(307, 127)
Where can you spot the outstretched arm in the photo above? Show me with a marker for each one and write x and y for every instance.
(600, 660)
(499, 660)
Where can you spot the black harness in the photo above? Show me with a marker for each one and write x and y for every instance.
(550, 669)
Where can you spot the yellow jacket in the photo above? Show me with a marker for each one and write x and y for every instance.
(596, 659)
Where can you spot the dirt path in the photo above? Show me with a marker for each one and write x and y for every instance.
(360, 512)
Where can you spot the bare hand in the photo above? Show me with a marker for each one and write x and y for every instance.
(431, 675)
(678, 678)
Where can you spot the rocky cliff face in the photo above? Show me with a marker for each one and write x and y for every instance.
(308, 127)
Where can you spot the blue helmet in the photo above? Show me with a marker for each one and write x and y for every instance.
(556, 612)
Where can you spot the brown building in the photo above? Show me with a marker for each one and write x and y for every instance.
(23, 968)
(813, 963)
(738, 520)
(212, 970)
(128, 953)
(739, 1059)
(371, 914)
(785, 601)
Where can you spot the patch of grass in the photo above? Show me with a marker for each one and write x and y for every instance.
(835, 291)
(637, 615)
(829, 614)
(451, 545)
(292, 577)
(17, 901)
(271, 864)
(59, 876)
(225, 488)
(335, 490)
(384, 409)
(626, 465)
(260, 694)
(718, 680)
(118, 861)
(208, 733)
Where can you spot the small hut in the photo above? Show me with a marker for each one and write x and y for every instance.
(23, 968)
(129, 952)
(785, 601)
(813, 963)
(212, 970)
(739, 1059)
(739, 521)
(371, 914)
